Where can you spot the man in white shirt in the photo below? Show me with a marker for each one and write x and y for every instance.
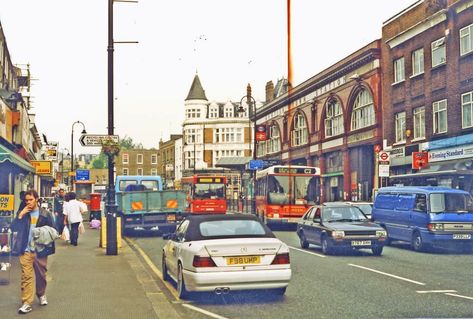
(73, 210)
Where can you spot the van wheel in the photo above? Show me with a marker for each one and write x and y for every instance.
(417, 243)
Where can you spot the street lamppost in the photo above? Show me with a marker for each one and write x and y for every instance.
(72, 145)
(250, 101)
(62, 162)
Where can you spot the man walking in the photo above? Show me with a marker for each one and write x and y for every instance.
(58, 210)
(30, 217)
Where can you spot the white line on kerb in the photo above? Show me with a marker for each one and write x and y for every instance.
(307, 252)
(434, 291)
(390, 275)
(459, 296)
(205, 312)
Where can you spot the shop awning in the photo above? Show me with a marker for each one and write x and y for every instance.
(238, 163)
(455, 167)
(8, 156)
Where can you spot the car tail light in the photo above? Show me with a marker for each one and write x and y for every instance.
(200, 261)
(281, 259)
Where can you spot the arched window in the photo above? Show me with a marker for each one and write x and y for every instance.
(363, 111)
(274, 139)
(333, 119)
(299, 133)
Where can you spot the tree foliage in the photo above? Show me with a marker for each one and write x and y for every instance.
(127, 143)
(100, 161)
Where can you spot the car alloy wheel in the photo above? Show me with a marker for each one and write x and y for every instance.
(165, 269)
(326, 247)
(303, 240)
(181, 286)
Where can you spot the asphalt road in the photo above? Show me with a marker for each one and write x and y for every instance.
(399, 284)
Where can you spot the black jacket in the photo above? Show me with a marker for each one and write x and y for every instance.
(22, 228)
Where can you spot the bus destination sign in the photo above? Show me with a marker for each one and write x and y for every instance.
(205, 180)
(295, 170)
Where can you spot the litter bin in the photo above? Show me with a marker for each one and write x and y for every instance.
(95, 212)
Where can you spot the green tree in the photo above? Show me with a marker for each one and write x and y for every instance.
(127, 143)
(100, 161)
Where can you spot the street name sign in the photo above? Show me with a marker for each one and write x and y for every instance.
(96, 139)
(255, 164)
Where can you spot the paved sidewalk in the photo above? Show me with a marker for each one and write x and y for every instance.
(83, 282)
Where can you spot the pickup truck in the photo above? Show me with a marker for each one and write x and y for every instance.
(149, 210)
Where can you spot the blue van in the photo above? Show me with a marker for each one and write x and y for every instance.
(426, 216)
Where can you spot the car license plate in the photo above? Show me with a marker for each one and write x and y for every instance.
(243, 260)
(171, 218)
(361, 242)
(461, 236)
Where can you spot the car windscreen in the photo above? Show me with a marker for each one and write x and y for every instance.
(342, 214)
(451, 202)
(124, 184)
(232, 228)
(150, 185)
(365, 208)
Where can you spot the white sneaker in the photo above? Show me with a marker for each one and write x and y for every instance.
(3, 267)
(25, 309)
(43, 301)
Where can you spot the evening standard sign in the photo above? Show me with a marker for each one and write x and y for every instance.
(451, 153)
(97, 140)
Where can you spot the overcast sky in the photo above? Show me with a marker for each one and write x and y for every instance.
(228, 43)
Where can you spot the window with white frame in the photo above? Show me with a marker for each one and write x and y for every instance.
(274, 140)
(192, 136)
(419, 122)
(228, 135)
(139, 158)
(439, 52)
(139, 171)
(399, 73)
(400, 126)
(466, 40)
(334, 119)
(228, 110)
(418, 62)
(440, 116)
(213, 112)
(261, 148)
(154, 158)
(299, 133)
(192, 113)
(154, 171)
(125, 158)
(125, 171)
(467, 110)
(363, 111)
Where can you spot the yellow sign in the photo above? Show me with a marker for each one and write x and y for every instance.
(6, 202)
(43, 167)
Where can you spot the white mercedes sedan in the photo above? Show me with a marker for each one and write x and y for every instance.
(223, 253)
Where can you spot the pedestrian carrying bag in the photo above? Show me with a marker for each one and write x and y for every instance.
(65, 234)
(81, 228)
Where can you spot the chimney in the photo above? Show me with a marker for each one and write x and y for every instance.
(269, 91)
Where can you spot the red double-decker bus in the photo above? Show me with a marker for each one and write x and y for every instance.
(205, 194)
(284, 193)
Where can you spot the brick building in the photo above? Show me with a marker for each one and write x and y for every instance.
(137, 162)
(167, 160)
(332, 120)
(427, 54)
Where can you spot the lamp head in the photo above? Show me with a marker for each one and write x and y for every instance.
(84, 131)
(241, 109)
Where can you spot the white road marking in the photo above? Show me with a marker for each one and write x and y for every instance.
(386, 274)
(168, 285)
(434, 291)
(205, 312)
(459, 296)
(307, 252)
(153, 267)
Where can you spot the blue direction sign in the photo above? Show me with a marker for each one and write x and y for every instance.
(255, 164)
(268, 163)
(82, 175)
